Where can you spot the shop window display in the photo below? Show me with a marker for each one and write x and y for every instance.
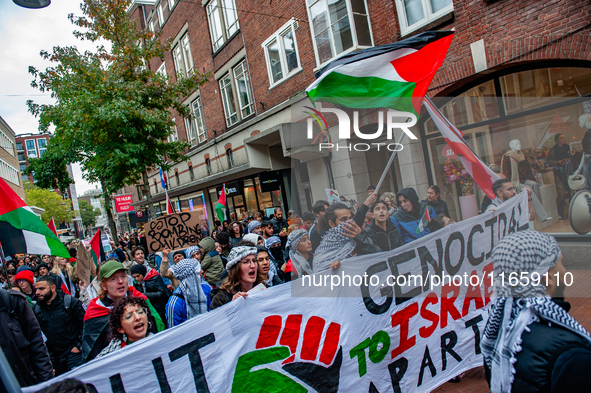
(512, 128)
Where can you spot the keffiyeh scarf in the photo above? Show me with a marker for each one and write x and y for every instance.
(299, 263)
(335, 246)
(238, 253)
(188, 272)
(516, 307)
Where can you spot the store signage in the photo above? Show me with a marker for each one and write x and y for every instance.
(232, 189)
(448, 153)
(123, 203)
(139, 213)
(269, 181)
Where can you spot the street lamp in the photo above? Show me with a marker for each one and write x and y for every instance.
(32, 3)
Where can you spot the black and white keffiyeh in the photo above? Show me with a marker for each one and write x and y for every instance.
(188, 272)
(335, 246)
(238, 253)
(299, 263)
(518, 306)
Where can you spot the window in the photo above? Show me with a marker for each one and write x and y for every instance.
(178, 181)
(331, 26)
(31, 150)
(238, 78)
(223, 21)
(281, 53)
(174, 136)
(414, 14)
(9, 172)
(183, 60)
(160, 14)
(7, 143)
(151, 26)
(41, 143)
(19, 146)
(155, 186)
(208, 166)
(230, 158)
(21, 157)
(171, 4)
(196, 127)
(162, 71)
(191, 173)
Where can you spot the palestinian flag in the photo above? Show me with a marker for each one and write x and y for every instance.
(220, 208)
(424, 220)
(96, 249)
(21, 231)
(51, 226)
(393, 76)
(169, 208)
(480, 172)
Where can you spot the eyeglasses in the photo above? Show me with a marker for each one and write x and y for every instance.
(140, 312)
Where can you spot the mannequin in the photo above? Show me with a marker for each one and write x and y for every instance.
(517, 168)
(585, 122)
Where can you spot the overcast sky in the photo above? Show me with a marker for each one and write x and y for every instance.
(25, 32)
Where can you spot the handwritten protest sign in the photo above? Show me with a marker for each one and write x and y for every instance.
(372, 336)
(84, 264)
(172, 231)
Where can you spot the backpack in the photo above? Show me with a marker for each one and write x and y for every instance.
(7, 305)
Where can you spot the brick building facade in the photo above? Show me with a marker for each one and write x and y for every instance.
(509, 60)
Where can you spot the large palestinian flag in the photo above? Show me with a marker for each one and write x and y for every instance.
(393, 76)
(21, 231)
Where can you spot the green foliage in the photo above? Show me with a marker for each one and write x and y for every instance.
(51, 170)
(88, 214)
(112, 115)
(55, 206)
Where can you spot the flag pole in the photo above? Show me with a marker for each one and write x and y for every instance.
(389, 164)
(4, 265)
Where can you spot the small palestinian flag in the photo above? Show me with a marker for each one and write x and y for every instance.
(424, 220)
(21, 231)
(169, 208)
(220, 208)
(96, 249)
(393, 76)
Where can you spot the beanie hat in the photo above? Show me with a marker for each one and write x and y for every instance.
(25, 275)
(138, 269)
(238, 253)
(253, 224)
(22, 268)
(42, 264)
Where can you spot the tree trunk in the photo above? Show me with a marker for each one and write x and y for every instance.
(148, 194)
(108, 206)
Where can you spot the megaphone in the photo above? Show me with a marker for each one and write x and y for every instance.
(580, 212)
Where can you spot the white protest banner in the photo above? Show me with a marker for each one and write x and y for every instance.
(366, 336)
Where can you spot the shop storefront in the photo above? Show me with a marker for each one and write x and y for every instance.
(531, 104)
(262, 192)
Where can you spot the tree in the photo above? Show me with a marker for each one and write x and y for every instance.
(112, 114)
(88, 214)
(55, 206)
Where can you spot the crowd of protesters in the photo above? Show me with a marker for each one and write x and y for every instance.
(134, 294)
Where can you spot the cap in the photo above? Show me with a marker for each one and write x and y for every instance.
(109, 268)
